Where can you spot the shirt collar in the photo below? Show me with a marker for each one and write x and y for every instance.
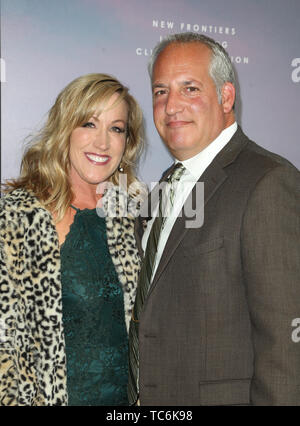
(207, 155)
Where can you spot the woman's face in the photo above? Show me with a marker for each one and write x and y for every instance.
(97, 147)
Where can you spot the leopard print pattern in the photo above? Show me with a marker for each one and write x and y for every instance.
(122, 246)
(32, 357)
(32, 346)
(120, 210)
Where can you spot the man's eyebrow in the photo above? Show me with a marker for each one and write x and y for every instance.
(155, 85)
(184, 83)
(188, 82)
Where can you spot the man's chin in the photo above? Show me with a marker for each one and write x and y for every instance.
(178, 150)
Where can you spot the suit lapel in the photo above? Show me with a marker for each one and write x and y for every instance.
(138, 232)
(213, 177)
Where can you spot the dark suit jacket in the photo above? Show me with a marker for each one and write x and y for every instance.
(216, 328)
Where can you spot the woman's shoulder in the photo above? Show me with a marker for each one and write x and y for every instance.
(19, 203)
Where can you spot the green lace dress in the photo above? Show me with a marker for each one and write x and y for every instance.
(93, 316)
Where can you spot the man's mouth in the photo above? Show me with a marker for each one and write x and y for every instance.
(177, 123)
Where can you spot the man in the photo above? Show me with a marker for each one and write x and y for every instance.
(213, 323)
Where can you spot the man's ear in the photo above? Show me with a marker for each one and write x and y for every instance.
(228, 97)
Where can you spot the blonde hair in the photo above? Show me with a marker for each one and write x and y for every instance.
(45, 165)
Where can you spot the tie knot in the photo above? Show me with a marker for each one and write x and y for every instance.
(177, 172)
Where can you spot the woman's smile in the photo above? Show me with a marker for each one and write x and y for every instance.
(96, 159)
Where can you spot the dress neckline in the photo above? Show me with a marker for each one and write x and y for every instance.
(79, 214)
(82, 210)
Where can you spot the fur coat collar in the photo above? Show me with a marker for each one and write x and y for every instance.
(32, 346)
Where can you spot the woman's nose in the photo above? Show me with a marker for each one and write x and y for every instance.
(101, 140)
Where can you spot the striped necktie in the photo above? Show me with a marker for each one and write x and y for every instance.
(144, 283)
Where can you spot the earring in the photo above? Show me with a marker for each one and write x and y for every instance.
(120, 169)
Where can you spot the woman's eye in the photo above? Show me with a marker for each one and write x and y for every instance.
(118, 129)
(89, 124)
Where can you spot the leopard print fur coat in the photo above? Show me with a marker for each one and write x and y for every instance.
(32, 347)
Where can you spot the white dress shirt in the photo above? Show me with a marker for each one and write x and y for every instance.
(195, 167)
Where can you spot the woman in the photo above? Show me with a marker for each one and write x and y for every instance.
(68, 275)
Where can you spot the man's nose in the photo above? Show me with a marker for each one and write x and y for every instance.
(174, 103)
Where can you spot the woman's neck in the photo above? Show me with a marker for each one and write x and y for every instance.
(85, 195)
(85, 200)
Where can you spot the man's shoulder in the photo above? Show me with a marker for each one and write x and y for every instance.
(257, 159)
(269, 157)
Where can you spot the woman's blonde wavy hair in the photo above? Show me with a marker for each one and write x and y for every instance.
(45, 165)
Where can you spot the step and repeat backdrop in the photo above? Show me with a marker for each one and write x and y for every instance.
(46, 44)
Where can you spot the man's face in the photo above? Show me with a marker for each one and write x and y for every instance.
(186, 110)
